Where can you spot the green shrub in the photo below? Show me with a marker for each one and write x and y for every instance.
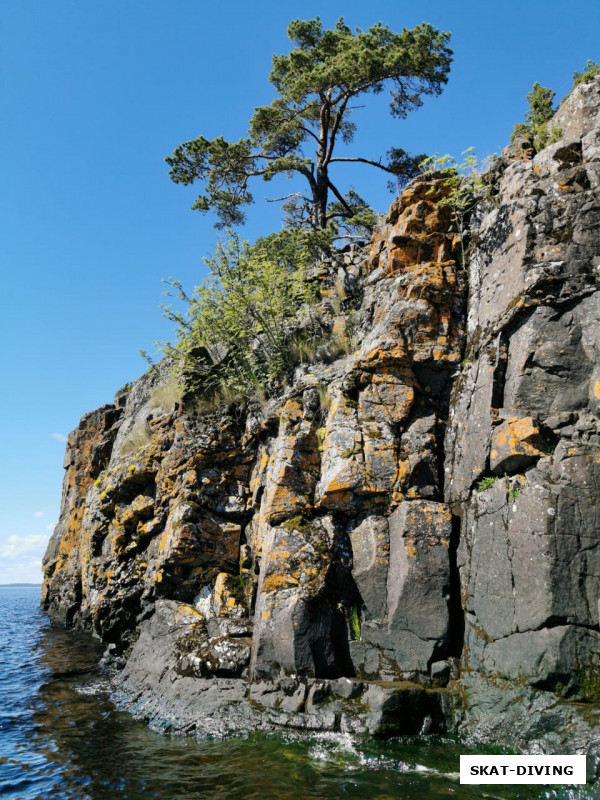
(248, 306)
(540, 112)
(486, 483)
(591, 70)
(465, 184)
(125, 389)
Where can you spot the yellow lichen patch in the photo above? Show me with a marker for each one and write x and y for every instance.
(392, 350)
(278, 583)
(293, 466)
(228, 596)
(597, 389)
(336, 498)
(411, 551)
(339, 329)
(188, 613)
(190, 478)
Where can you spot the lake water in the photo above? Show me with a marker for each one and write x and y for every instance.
(61, 738)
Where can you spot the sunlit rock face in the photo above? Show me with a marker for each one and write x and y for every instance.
(419, 504)
(522, 450)
(256, 519)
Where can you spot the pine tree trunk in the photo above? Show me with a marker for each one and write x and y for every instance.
(319, 205)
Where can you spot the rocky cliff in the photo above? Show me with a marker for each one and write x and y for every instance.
(404, 539)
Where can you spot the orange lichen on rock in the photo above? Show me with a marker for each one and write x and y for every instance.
(515, 442)
(293, 466)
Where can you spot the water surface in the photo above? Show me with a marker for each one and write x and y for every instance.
(61, 738)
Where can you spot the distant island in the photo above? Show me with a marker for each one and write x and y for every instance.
(19, 584)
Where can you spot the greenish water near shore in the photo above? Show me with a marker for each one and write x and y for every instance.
(61, 737)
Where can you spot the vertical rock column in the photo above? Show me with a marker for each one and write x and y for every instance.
(355, 542)
(523, 445)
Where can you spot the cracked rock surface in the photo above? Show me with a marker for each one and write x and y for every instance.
(411, 519)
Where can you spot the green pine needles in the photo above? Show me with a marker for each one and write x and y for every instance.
(318, 85)
(540, 112)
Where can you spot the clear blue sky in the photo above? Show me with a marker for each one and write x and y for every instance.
(95, 94)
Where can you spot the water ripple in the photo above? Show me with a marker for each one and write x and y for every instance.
(60, 737)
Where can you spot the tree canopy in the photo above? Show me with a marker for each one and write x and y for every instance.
(317, 83)
(539, 113)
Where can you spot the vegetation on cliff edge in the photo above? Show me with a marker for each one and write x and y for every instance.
(242, 327)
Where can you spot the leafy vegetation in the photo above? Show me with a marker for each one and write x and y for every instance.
(540, 112)
(486, 483)
(465, 185)
(317, 84)
(249, 306)
(354, 623)
(590, 71)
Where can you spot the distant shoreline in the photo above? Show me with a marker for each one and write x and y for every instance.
(16, 585)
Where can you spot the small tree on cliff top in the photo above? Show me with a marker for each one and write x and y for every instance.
(539, 113)
(317, 82)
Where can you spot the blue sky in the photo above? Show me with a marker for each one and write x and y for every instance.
(94, 95)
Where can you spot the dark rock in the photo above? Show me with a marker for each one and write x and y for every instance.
(400, 709)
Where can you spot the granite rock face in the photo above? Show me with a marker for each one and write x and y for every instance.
(522, 447)
(252, 516)
(410, 519)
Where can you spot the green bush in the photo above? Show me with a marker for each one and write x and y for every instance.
(540, 112)
(486, 483)
(465, 183)
(248, 307)
(591, 70)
